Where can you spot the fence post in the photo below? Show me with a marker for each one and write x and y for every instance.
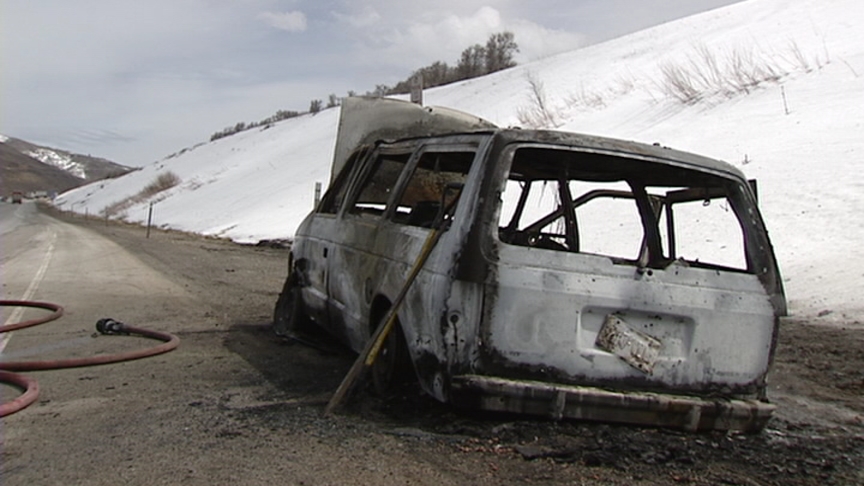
(149, 219)
(417, 89)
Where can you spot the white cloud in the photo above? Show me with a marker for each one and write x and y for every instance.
(294, 21)
(536, 42)
(363, 18)
(442, 34)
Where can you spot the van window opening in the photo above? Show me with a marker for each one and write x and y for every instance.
(377, 185)
(335, 195)
(426, 196)
(589, 203)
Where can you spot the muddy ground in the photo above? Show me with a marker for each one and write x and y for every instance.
(265, 411)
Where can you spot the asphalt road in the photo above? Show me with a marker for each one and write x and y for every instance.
(207, 413)
(91, 425)
(236, 405)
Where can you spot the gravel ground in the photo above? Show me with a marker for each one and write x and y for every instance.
(235, 403)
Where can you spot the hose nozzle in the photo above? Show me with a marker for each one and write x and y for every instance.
(108, 325)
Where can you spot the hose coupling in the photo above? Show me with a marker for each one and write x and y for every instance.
(108, 325)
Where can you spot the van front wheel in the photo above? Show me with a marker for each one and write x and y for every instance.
(289, 316)
(392, 366)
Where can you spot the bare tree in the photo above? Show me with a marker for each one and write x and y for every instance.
(435, 74)
(381, 90)
(499, 51)
(539, 113)
(472, 63)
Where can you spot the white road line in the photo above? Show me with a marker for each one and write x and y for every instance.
(31, 289)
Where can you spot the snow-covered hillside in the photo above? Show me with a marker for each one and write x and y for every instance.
(61, 161)
(774, 87)
(51, 157)
(80, 166)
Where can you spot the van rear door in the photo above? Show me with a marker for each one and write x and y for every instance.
(620, 271)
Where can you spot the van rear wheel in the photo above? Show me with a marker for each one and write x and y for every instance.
(392, 366)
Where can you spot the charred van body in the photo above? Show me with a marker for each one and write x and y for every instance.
(573, 277)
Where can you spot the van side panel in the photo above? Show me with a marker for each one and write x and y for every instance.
(313, 240)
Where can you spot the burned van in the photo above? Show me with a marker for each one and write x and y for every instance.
(571, 276)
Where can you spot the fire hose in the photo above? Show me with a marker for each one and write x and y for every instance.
(106, 326)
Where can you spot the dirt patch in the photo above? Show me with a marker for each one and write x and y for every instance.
(823, 363)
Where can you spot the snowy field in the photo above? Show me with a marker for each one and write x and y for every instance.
(773, 87)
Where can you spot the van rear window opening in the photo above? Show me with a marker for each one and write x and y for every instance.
(634, 211)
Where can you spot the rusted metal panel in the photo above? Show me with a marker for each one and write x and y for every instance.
(637, 349)
(364, 120)
(558, 402)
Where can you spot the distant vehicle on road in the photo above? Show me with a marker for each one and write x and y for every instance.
(17, 197)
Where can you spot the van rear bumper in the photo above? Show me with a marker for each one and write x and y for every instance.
(587, 403)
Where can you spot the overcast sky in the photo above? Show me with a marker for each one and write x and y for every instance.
(135, 80)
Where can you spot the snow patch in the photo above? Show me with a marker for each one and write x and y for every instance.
(60, 161)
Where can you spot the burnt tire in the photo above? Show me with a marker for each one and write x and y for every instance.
(392, 368)
(289, 317)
